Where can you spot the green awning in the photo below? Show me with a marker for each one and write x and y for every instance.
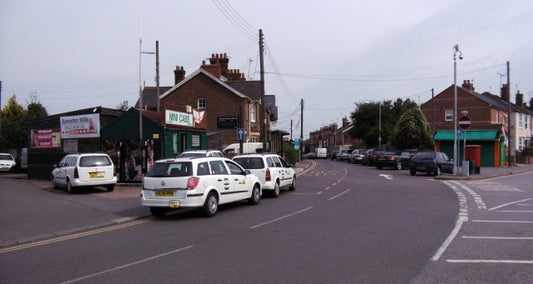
(442, 135)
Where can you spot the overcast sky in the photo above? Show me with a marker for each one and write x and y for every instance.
(71, 55)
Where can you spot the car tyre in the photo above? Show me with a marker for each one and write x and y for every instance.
(70, 189)
(158, 211)
(379, 167)
(54, 184)
(413, 172)
(256, 195)
(110, 187)
(293, 184)
(210, 205)
(275, 192)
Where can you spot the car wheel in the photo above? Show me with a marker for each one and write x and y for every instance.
(399, 166)
(158, 211)
(210, 205)
(275, 192)
(379, 167)
(413, 172)
(293, 184)
(70, 189)
(110, 187)
(256, 195)
(54, 184)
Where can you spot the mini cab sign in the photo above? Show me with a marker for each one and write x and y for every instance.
(178, 118)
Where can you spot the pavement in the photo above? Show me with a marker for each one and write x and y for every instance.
(104, 209)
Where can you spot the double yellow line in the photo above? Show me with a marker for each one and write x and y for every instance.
(73, 236)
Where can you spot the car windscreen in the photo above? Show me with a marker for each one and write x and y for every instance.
(94, 161)
(424, 156)
(250, 162)
(191, 155)
(173, 169)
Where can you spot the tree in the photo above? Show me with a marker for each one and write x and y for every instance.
(412, 131)
(35, 109)
(13, 130)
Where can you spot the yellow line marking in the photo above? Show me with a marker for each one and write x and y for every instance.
(73, 236)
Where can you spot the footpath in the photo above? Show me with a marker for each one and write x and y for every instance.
(48, 214)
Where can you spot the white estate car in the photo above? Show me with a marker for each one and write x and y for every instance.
(273, 172)
(83, 170)
(6, 162)
(197, 182)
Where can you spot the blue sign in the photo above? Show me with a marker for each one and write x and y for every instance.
(240, 134)
(297, 144)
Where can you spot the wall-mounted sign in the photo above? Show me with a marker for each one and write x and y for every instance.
(45, 138)
(195, 141)
(228, 122)
(178, 118)
(80, 126)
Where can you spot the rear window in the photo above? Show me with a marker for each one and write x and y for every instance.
(424, 155)
(174, 169)
(250, 162)
(95, 161)
(5, 157)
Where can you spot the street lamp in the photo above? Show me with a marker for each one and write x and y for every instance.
(455, 51)
(379, 138)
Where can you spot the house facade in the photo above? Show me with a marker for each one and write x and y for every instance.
(489, 128)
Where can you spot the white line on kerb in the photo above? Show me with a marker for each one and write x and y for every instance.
(503, 221)
(497, 238)
(506, 261)
(128, 265)
(344, 192)
(281, 218)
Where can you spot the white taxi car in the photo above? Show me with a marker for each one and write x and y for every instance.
(202, 182)
(6, 162)
(84, 170)
(271, 169)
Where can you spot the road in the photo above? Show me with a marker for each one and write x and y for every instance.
(344, 223)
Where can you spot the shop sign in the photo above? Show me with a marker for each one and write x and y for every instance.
(80, 126)
(178, 118)
(45, 138)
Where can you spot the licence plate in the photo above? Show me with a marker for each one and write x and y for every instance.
(421, 168)
(164, 193)
(96, 175)
(174, 204)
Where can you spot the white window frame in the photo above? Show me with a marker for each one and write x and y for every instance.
(253, 113)
(202, 103)
(448, 115)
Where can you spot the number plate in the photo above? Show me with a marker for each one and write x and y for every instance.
(96, 175)
(421, 168)
(174, 204)
(164, 193)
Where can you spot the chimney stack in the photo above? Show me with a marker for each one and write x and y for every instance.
(519, 99)
(467, 84)
(179, 74)
(505, 92)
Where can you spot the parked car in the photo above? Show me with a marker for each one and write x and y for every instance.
(334, 154)
(343, 155)
(202, 183)
(370, 157)
(392, 160)
(321, 153)
(310, 155)
(431, 162)
(200, 153)
(84, 170)
(273, 172)
(7, 163)
(356, 156)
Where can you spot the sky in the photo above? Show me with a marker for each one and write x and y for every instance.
(75, 54)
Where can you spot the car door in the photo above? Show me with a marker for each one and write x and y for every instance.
(62, 171)
(288, 172)
(222, 181)
(445, 164)
(279, 171)
(240, 185)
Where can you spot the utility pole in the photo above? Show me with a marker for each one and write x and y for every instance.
(262, 109)
(157, 73)
(509, 114)
(301, 127)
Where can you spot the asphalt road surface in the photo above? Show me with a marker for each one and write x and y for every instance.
(345, 223)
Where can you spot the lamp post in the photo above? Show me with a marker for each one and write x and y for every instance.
(455, 51)
(379, 138)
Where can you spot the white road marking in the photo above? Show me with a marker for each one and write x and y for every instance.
(127, 265)
(503, 221)
(504, 261)
(510, 203)
(389, 177)
(281, 218)
(477, 199)
(496, 238)
(344, 192)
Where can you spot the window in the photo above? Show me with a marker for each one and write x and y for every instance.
(202, 104)
(448, 115)
(218, 168)
(234, 169)
(252, 112)
(203, 169)
(521, 120)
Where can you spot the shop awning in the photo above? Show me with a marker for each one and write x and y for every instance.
(447, 135)
(126, 127)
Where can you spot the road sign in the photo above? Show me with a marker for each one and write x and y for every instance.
(464, 122)
(240, 134)
(297, 144)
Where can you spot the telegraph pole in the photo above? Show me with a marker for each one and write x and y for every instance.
(157, 73)
(262, 72)
(301, 128)
(509, 114)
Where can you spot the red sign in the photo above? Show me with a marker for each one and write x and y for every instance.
(464, 122)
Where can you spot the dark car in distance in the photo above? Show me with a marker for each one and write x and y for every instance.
(370, 157)
(431, 162)
(392, 160)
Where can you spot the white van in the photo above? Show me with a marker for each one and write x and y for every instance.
(247, 148)
(322, 153)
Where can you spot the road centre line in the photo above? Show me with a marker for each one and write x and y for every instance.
(496, 238)
(510, 203)
(281, 218)
(504, 261)
(342, 193)
(128, 265)
(73, 236)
